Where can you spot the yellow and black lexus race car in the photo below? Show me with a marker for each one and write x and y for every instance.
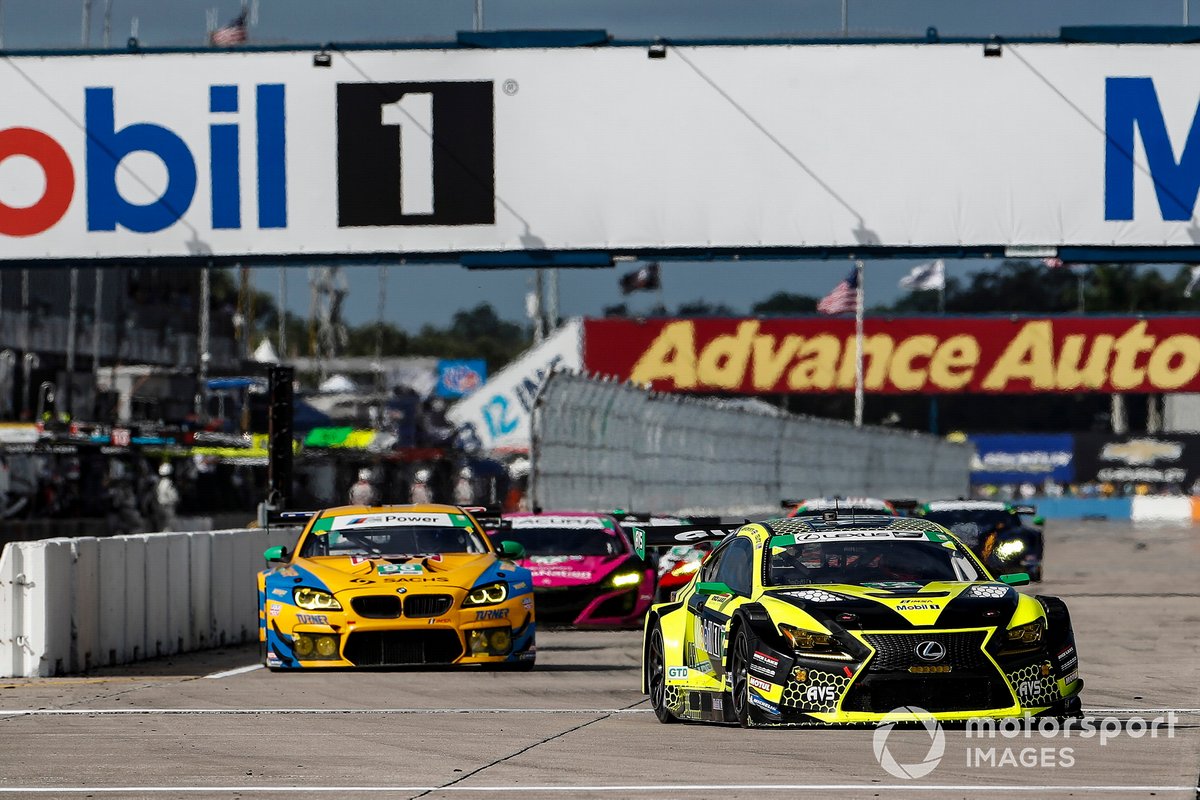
(393, 586)
(827, 620)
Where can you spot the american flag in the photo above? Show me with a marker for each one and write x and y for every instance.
(843, 298)
(231, 34)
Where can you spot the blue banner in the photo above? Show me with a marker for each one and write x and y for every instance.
(460, 377)
(1023, 458)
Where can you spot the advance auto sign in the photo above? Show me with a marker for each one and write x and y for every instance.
(929, 355)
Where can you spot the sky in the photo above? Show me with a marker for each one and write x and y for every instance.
(429, 295)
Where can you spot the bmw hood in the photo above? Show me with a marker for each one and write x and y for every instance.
(453, 569)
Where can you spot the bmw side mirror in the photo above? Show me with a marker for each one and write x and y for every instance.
(1015, 579)
(511, 550)
(713, 587)
(279, 553)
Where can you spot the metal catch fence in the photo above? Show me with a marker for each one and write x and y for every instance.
(603, 444)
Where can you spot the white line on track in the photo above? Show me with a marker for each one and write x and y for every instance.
(50, 712)
(230, 672)
(625, 789)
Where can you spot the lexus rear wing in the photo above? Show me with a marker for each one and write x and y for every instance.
(648, 537)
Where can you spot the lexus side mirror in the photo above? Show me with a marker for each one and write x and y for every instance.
(1015, 579)
(713, 587)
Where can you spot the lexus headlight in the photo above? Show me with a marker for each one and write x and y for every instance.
(487, 595)
(1025, 637)
(626, 579)
(812, 644)
(315, 599)
(1010, 549)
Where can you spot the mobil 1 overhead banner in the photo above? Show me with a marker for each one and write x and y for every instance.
(428, 151)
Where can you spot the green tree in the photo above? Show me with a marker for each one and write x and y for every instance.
(785, 303)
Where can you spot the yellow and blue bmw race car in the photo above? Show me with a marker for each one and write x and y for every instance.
(827, 620)
(394, 586)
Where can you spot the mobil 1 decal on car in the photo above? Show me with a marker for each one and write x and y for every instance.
(708, 635)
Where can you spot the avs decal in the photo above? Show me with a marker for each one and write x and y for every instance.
(821, 694)
(312, 619)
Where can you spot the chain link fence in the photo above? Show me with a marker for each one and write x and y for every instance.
(603, 444)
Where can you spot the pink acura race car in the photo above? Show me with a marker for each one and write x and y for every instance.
(585, 571)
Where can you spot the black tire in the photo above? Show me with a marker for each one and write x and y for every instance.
(739, 670)
(656, 670)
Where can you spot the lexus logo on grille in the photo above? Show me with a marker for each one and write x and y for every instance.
(931, 651)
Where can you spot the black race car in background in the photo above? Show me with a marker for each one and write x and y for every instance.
(1007, 538)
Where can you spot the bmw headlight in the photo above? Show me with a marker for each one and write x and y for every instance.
(1010, 549)
(626, 579)
(487, 595)
(315, 599)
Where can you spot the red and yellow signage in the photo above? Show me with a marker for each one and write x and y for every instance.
(928, 355)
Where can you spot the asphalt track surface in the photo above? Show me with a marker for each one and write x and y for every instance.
(213, 725)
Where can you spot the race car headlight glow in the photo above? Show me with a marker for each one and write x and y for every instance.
(1010, 549)
(487, 595)
(687, 568)
(811, 644)
(1024, 637)
(626, 579)
(315, 599)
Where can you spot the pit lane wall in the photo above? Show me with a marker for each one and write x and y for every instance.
(67, 605)
(605, 444)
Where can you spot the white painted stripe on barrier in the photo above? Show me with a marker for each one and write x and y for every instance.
(649, 788)
(1146, 508)
(229, 673)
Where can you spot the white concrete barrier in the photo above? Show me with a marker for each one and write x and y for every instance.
(1149, 508)
(67, 605)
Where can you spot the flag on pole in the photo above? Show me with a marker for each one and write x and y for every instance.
(647, 278)
(930, 275)
(843, 298)
(1187, 292)
(231, 34)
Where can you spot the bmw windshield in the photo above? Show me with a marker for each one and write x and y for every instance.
(394, 542)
